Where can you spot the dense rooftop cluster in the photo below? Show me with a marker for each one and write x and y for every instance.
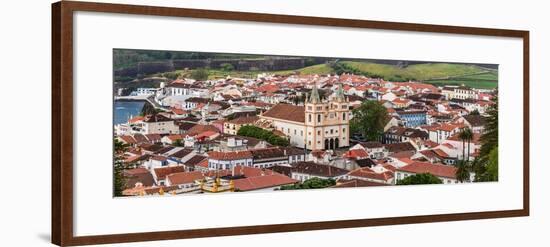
(191, 143)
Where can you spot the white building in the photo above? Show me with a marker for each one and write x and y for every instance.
(446, 173)
(143, 91)
(228, 160)
(319, 125)
(156, 124)
(303, 171)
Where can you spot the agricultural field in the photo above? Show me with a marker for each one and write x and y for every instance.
(433, 73)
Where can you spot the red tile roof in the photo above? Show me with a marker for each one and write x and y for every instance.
(356, 154)
(174, 137)
(127, 139)
(287, 112)
(440, 153)
(208, 134)
(236, 155)
(159, 158)
(184, 177)
(136, 119)
(251, 171)
(318, 169)
(178, 111)
(162, 172)
(456, 137)
(244, 120)
(438, 170)
(366, 172)
(262, 182)
(203, 163)
(342, 183)
(269, 88)
(199, 128)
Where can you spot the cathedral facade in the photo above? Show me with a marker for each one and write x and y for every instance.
(317, 125)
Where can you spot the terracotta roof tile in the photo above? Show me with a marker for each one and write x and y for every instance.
(262, 182)
(236, 155)
(184, 177)
(343, 183)
(162, 172)
(318, 169)
(287, 112)
(438, 170)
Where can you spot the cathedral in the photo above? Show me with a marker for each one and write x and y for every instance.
(317, 125)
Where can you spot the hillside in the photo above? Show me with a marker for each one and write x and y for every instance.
(434, 73)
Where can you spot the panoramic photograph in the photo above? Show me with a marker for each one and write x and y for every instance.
(188, 122)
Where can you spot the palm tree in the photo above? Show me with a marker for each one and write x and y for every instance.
(463, 135)
(469, 135)
(463, 172)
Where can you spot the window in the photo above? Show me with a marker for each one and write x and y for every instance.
(343, 130)
(318, 132)
(332, 131)
(344, 116)
(318, 118)
(309, 118)
(301, 132)
(295, 132)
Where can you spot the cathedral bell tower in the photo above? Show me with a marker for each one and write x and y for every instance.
(314, 119)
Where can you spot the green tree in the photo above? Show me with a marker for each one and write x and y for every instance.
(257, 132)
(487, 169)
(423, 178)
(200, 74)
(312, 183)
(369, 120)
(309, 62)
(463, 172)
(119, 167)
(171, 75)
(148, 109)
(490, 171)
(489, 138)
(492, 165)
(227, 67)
(178, 143)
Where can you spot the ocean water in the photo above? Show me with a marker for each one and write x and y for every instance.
(124, 110)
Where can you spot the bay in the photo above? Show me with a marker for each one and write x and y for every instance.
(124, 110)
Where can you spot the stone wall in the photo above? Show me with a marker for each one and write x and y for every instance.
(270, 64)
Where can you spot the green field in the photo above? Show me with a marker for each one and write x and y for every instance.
(433, 73)
(419, 72)
(473, 84)
(485, 80)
